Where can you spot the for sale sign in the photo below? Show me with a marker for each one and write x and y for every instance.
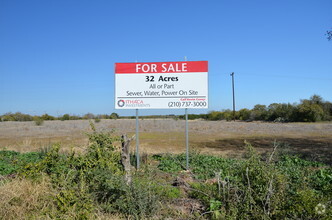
(161, 85)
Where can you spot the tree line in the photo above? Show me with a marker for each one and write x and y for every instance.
(18, 116)
(314, 109)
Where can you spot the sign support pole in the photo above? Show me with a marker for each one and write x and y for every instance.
(187, 139)
(232, 74)
(137, 141)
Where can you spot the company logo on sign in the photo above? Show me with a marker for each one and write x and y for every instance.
(121, 103)
(132, 103)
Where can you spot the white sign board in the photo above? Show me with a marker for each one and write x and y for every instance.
(161, 85)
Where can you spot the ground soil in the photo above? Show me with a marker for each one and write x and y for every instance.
(310, 140)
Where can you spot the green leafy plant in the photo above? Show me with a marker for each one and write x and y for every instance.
(12, 162)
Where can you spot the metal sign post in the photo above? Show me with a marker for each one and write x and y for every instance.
(187, 139)
(137, 141)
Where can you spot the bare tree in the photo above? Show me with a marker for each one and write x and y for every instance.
(125, 157)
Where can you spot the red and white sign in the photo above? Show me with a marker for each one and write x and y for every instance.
(161, 85)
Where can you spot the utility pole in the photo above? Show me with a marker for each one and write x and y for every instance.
(232, 74)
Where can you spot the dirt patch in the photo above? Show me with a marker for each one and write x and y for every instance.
(319, 149)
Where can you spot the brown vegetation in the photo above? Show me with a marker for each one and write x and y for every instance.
(23, 198)
(167, 135)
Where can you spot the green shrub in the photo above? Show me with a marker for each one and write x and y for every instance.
(280, 112)
(303, 205)
(321, 180)
(139, 199)
(73, 194)
(38, 121)
(81, 179)
(214, 116)
(170, 163)
(65, 117)
(243, 114)
(7, 168)
(309, 112)
(259, 113)
(203, 166)
(12, 162)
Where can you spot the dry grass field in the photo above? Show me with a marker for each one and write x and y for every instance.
(313, 140)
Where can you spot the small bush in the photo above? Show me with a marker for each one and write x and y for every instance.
(139, 199)
(39, 121)
(65, 117)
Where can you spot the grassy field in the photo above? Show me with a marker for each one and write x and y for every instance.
(313, 140)
(55, 184)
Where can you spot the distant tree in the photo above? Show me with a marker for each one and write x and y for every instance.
(104, 116)
(309, 112)
(327, 107)
(259, 112)
(316, 99)
(243, 114)
(280, 112)
(193, 116)
(89, 116)
(114, 116)
(329, 35)
(214, 115)
(203, 116)
(74, 117)
(7, 117)
(227, 115)
(18, 116)
(46, 117)
(65, 117)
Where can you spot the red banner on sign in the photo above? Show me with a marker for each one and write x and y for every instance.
(162, 67)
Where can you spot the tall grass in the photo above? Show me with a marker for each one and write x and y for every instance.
(26, 199)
